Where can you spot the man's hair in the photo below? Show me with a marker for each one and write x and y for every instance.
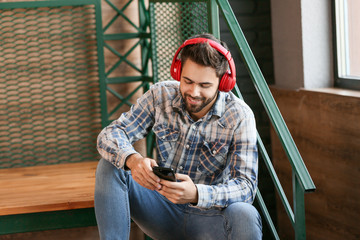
(205, 55)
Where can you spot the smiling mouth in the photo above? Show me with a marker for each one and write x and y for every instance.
(193, 101)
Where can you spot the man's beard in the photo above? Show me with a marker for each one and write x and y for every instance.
(191, 108)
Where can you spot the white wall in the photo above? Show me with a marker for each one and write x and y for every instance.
(302, 43)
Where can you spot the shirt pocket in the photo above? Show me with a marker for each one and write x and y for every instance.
(213, 158)
(166, 140)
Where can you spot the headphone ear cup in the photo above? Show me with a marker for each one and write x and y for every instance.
(176, 70)
(227, 83)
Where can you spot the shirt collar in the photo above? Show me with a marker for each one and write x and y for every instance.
(177, 102)
(219, 105)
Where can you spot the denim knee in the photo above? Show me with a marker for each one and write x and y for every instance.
(111, 202)
(240, 211)
(107, 174)
(243, 220)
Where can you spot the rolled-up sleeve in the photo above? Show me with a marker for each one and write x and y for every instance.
(114, 142)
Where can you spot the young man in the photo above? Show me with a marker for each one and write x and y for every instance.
(205, 133)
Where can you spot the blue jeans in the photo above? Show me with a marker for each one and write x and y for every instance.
(118, 198)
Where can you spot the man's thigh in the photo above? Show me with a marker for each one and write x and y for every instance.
(205, 224)
(161, 219)
(238, 221)
(154, 214)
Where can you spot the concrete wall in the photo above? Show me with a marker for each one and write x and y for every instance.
(302, 43)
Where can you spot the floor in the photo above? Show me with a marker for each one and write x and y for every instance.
(88, 233)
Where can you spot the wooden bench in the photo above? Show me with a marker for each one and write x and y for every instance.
(47, 197)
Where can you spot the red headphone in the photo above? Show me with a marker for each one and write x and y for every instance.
(227, 81)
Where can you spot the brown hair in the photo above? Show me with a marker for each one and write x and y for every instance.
(205, 55)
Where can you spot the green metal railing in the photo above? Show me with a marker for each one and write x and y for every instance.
(302, 181)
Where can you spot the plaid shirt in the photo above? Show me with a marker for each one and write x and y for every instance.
(218, 151)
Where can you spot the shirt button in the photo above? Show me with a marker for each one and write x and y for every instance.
(181, 167)
(163, 138)
(214, 152)
(194, 127)
(187, 146)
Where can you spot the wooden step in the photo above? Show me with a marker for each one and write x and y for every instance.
(47, 188)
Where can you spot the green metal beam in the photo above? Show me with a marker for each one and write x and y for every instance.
(276, 181)
(266, 214)
(299, 208)
(128, 79)
(101, 65)
(176, 1)
(124, 36)
(37, 4)
(123, 58)
(117, 15)
(120, 13)
(124, 100)
(271, 170)
(47, 221)
(213, 18)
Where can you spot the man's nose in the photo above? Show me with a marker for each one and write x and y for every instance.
(195, 90)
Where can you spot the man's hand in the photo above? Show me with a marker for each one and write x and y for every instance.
(141, 171)
(179, 192)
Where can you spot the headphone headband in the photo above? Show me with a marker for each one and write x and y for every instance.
(227, 81)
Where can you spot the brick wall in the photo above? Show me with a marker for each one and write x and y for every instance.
(255, 20)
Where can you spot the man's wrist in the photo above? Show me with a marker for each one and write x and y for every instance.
(131, 159)
(203, 201)
(195, 201)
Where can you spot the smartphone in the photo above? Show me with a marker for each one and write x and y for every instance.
(165, 173)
